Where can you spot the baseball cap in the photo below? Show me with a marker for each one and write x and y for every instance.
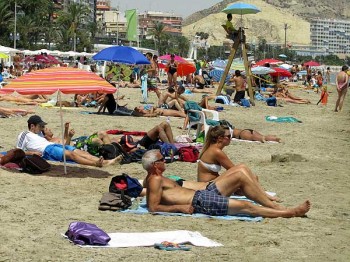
(128, 141)
(36, 120)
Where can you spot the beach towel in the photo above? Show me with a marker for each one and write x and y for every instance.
(142, 209)
(283, 119)
(148, 239)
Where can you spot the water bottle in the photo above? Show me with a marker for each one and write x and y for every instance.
(168, 119)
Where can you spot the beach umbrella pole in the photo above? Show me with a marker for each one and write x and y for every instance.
(62, 130)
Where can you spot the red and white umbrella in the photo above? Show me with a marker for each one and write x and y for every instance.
(270, 61)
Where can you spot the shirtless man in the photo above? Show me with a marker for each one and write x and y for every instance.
(162, 132)
(172, 99)
(152, 75)
(165, 195)
(239, 86)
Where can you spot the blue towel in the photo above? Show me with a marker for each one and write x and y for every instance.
(142, 209)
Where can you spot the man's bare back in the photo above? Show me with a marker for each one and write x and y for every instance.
(239, 83)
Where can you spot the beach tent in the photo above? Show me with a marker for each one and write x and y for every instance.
(64, 80)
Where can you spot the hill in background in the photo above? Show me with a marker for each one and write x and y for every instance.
(269, 23)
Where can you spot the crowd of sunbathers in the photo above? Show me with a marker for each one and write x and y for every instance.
(210, 194)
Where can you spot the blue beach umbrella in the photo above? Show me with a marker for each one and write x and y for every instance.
(122, 55)
(241, 8)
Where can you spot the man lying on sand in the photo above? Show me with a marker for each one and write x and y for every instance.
(165, 195)
(32, 143)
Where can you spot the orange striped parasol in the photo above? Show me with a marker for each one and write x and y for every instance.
(67, 80)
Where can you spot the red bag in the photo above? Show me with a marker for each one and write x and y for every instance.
(188, 154)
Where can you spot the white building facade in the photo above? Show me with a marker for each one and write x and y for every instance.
(330, 35)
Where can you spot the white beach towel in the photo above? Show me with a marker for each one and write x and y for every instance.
(150, 238)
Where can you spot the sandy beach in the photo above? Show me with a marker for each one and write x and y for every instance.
(35, 210)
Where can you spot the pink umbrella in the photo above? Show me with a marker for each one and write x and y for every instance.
(176, 58)
(270, 61)
(311, 63)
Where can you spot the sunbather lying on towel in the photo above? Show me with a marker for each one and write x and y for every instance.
(154, 112)
(90, 143)
(22, 100)
(8, 112)
(160, 132)
(165, 195)
(32, 143)
(284, 94)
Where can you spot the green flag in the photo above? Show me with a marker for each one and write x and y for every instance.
(131, 18)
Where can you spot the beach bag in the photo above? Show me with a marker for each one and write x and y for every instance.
(188, 154)
(83, 233)
(124, 184)
(13, 156)
(271, 101)
(34, 164)
(114, 202)
(168, 150)
(245, 102)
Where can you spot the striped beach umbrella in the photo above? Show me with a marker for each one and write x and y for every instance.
(66, 80)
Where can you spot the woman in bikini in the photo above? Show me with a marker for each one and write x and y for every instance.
(172, 71)
(212, 159)
(252, 135)
(342, 87)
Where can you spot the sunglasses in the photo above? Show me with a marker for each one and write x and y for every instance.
(159, 160)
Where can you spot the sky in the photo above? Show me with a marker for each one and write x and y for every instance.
(183, 8)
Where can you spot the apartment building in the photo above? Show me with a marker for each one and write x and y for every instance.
(331, 35)
(172, 22)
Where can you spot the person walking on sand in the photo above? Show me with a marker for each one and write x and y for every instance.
(342, 87)
(165, 195)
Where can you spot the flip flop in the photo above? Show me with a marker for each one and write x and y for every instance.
(170, 246)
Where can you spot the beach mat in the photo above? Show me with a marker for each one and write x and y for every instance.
(148, 239)
(142, 209)
(282, 119)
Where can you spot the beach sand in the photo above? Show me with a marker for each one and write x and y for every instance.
(35, 210)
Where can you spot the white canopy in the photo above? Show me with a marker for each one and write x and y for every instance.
(9, 50)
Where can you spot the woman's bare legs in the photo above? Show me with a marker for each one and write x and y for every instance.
(340, 100)
(240, 177)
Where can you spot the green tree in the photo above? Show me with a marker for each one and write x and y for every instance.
(71, 23)
(158, 35)
(6, 16)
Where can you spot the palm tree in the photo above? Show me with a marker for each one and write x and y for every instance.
(158, 34)
(6, 15)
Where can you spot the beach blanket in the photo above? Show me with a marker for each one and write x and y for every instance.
(283, 119)
(142, 209)
(148, 239)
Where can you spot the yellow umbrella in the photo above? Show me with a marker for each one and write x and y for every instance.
(2, 55)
